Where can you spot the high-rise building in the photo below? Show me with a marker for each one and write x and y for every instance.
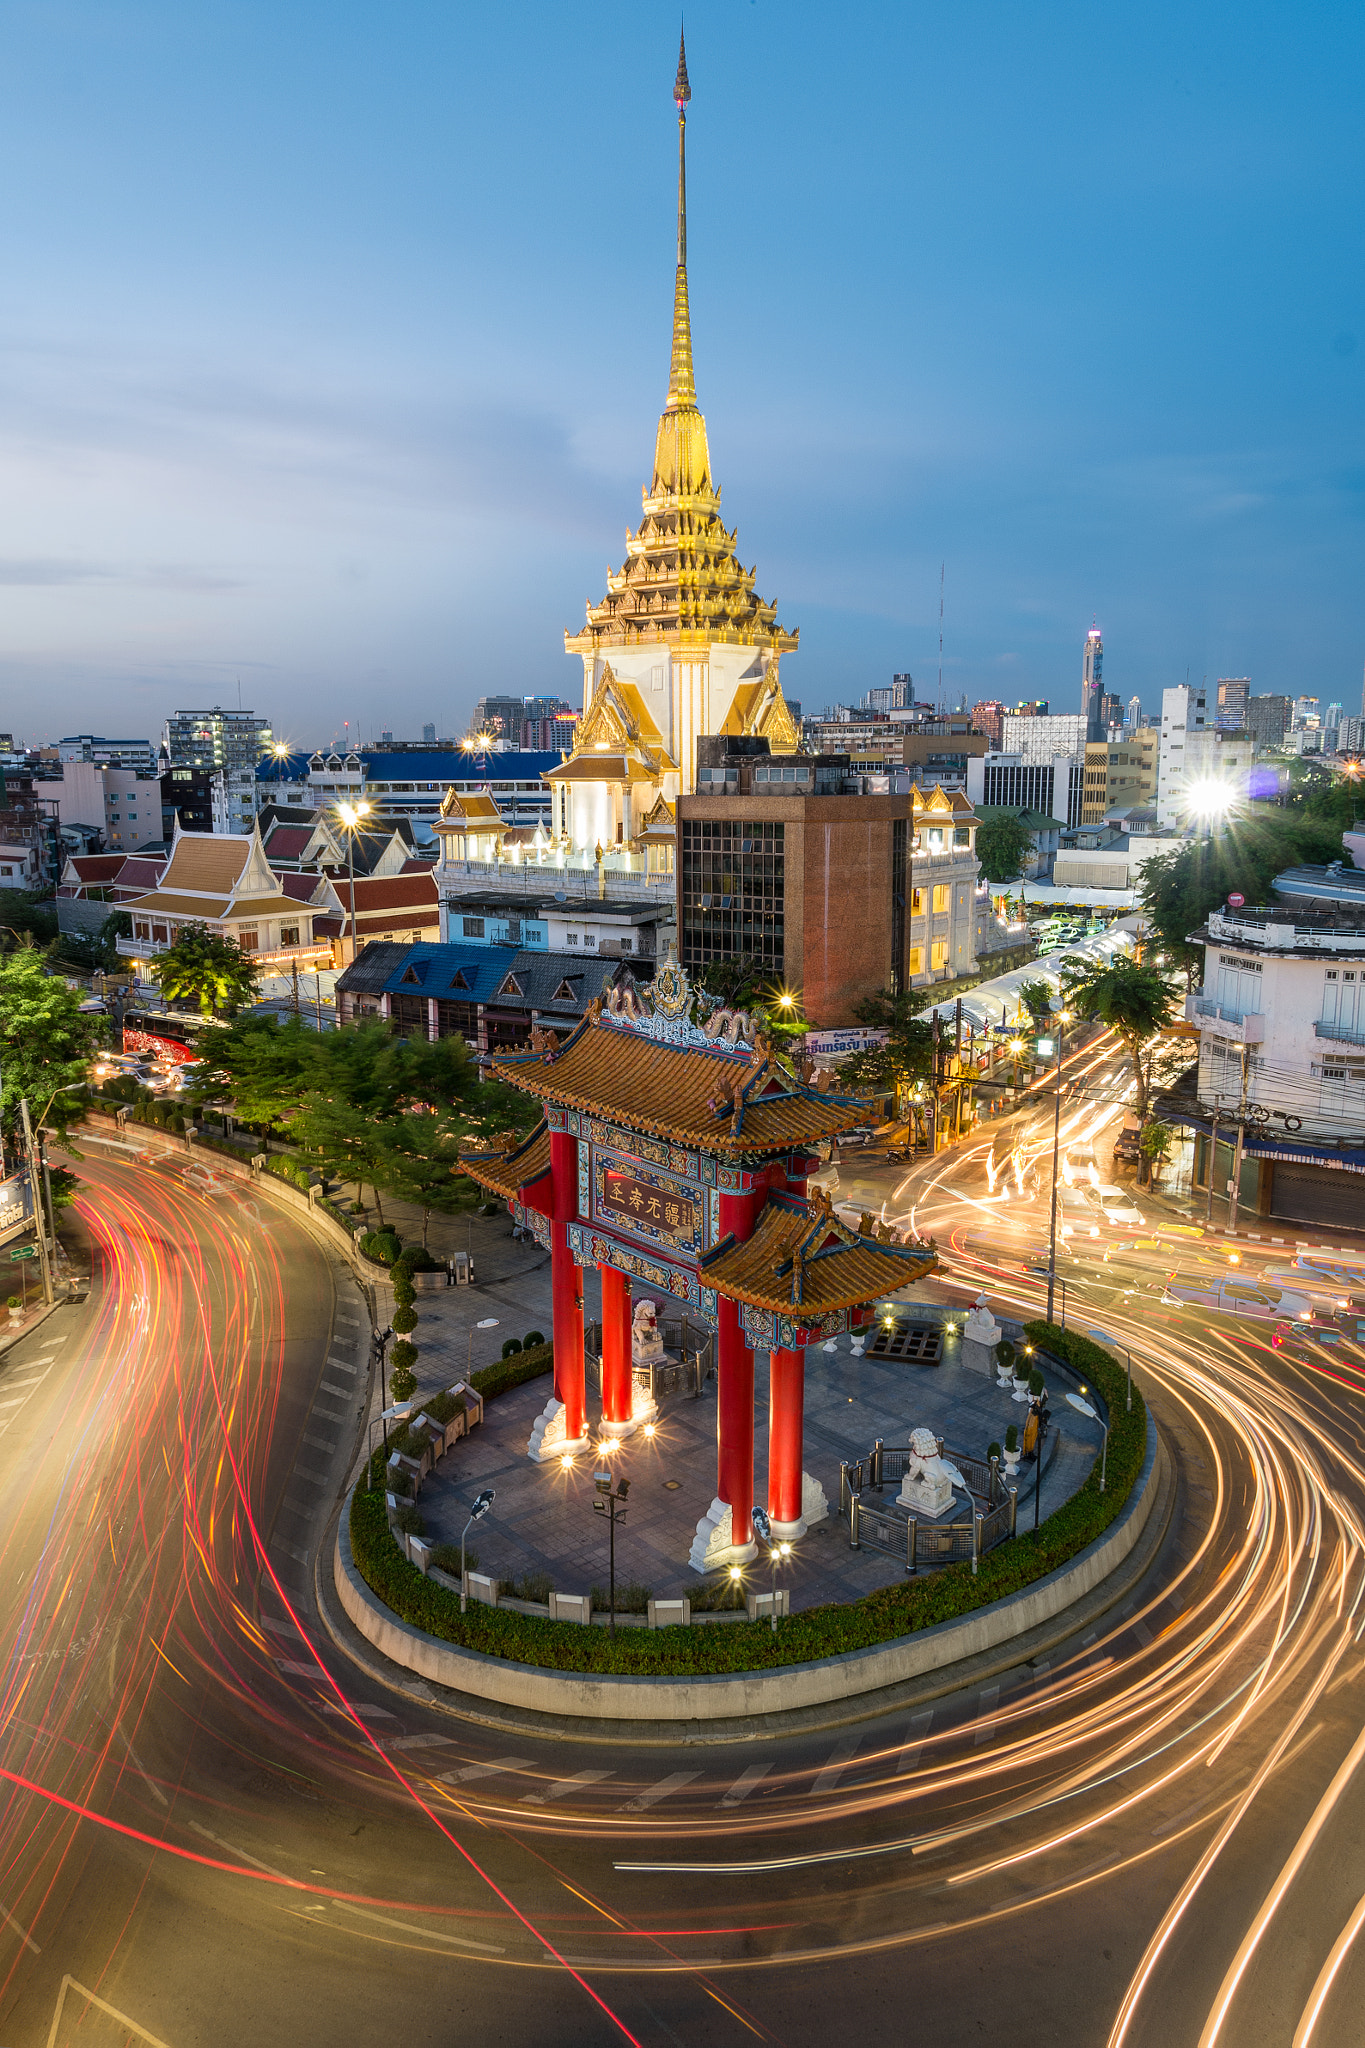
(681, 646)
(1134, 718)
(1268, 720)
(1111, 711)
(1052, 788)
(989, 718)
(1092, 687)
(1039, 738)
(230, 741)
(428, 735)
(136, 756)
(1234, 694)
(1306, 711)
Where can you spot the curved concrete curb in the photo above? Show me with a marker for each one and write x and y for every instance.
(741, 1695)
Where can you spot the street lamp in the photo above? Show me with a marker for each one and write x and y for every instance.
(486, 1323)
(763, 1529)
(611, 1503)
(351, 816)
(1077, 1401)
(476, 1514)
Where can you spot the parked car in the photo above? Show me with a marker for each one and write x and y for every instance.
(1236, 1297)
(1127, 1150)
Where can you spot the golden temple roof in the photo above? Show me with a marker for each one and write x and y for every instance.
(681, 582)
(511, 1171)
(682, 1092)
(801, 1256)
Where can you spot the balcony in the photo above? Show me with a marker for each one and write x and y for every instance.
(1247, 1027)
(1339, 1034)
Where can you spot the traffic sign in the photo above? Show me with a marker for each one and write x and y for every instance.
(1235, 902)
(23, 1251)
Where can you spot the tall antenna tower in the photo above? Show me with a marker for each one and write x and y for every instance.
(941, 567)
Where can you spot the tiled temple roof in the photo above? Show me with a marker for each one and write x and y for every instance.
(801, 1256)
(511, 1172)
(682, 1092)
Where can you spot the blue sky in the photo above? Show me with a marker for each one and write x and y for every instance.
(332, 341)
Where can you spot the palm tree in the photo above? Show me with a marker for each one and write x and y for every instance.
(1133, 999)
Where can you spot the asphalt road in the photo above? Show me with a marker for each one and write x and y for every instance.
(217, 1828)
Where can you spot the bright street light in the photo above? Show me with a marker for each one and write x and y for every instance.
(477, 1511)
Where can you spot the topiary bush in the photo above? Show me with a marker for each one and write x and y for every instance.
(1012, 1437)
(417, 1259)
(383, 1246)
(511, 1347)
(287, 1168)
(993, 1452)
(404, 1319)
(1035, 1382)
(531, 1339)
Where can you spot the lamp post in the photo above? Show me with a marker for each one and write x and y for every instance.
(351, 816)
(763, 1529)
(610, 1501)
(1079, 1401)
(477, 1511)
(486, 1323)
(379, 1340)
(1056, 1144)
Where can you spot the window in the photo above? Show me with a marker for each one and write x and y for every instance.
(457, 979)
(589, 938)
(473, 927)
(249, 941)
(916, 902)
(939, 954)
(914, 962)
(289, 935)
(571, 938)
(940, 898)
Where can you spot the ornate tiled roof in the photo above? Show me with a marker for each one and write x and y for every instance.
(511, 1172)
(802, 1257)
(685, 1091)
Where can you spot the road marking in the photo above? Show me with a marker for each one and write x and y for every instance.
(311, 1476)
(744, 1784)
(562, 1787)
(486, 1948)
(674, 1782)
(291, 1550)
(340, 1365)
(283, 1628)
(834, 1768)
(328, 1388)
(306, 1508)
(914, 1743)
(69, 1983)
(320, 1443)
(296, 1670)
(233, 1850)
(990, 1695)
(329, 1414)
(36, 1381)
(472, 1771)
(13, 1404)
(342, 1317)
(1143, 1633)
(420, 1741)
(361, 1713)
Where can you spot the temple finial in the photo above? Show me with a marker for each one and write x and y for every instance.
(682, 91)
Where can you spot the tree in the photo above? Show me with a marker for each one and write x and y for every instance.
(1036, 997)
(1004, 848)
(1180, 889)
(743, 983)
(45, 1043)
(421, 1164)
(205, 968)
(1133, 998)
(907, 1054)
(1154, 1144)
(264, 1066)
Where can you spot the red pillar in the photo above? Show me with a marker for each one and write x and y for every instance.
(786, 1409)
(735, 1388)
(566, 1285)
(617, 1402)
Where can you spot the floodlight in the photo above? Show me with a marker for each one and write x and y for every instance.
(482, 1505)
(763, 1528)
(622, 1489)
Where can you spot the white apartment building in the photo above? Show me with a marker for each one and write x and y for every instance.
(1281, 1019)
(132, 810)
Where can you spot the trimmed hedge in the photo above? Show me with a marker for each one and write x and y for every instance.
(285, 1167)
(382, 1246)
(492, 1380)
(881, 1617)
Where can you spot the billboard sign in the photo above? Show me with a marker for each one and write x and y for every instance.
(16, 1205)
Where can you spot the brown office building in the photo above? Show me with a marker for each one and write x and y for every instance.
(834, 891)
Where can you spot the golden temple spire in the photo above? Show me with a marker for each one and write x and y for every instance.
(682, 462)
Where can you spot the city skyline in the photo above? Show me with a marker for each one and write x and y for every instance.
(354, 409)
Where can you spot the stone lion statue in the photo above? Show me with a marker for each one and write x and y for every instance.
(924, 1444)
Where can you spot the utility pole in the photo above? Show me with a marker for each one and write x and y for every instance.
(1213, 1161)
(37, 1193)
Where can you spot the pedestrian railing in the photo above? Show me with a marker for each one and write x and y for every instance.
(993, 1509)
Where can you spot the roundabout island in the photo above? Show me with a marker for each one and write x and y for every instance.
(935, 1483)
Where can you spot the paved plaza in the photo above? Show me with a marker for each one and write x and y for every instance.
(543, 1519)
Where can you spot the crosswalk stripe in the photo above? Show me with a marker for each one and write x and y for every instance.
(282, 1628)
(14, 1404)
(744, 1784)
(320, 1443)
(472, 1771)
(329, 1414)
(674, 1782)
(340, 1365)
(290, 1550)
(35, 1381)
(990, 1695)
(562, 1787)
(834, 1769)
(914, 1741)
(420, 1741)
(328, 1388)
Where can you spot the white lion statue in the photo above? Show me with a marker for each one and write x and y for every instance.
(645, 1341)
